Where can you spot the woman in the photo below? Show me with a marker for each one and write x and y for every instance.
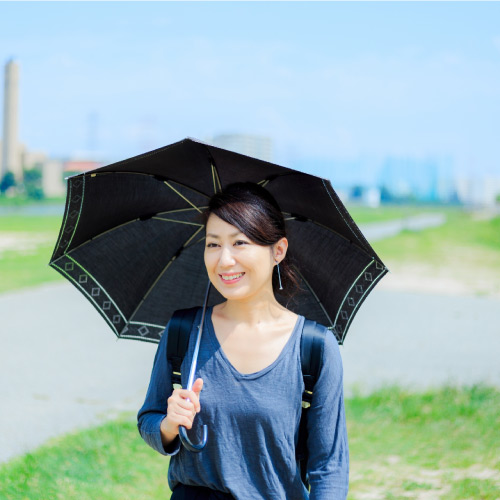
(250, 372)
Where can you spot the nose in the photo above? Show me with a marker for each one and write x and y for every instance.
(226, 257)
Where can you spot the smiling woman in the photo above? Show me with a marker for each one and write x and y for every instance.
(245, 241)
(249, 366)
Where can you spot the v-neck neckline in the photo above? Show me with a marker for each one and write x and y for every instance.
(219, 351)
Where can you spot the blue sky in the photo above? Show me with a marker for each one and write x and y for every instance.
(326, 80)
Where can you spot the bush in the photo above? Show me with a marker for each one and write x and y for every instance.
(7, 182)
(33, 184)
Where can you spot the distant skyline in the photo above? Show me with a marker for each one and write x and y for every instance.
(327, 81)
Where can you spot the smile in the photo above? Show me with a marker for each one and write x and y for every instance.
(231, 277)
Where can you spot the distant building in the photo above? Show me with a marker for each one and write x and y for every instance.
(256, 146)
(426, 180)
(11, 154)
(478, 191)
(53, 183)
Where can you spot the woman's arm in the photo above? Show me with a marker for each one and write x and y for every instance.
(328, 463)
(154, 409)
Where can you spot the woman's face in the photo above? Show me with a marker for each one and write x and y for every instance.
(237, 267)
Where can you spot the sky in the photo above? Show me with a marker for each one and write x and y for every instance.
(327, 81)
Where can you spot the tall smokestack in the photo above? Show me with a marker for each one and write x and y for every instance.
(11, 159)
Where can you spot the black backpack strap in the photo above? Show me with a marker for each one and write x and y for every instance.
(179, 331)
(311, 356)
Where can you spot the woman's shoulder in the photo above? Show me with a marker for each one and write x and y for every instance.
(330, 345)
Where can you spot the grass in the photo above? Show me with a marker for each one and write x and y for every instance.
(25, 262)
(464, 251)
(442, 443)
(364, 215)
(21, 201)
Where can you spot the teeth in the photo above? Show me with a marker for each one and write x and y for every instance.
(232, 277)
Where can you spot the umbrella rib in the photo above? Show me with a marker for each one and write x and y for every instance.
(121, 225)
(182, 196)
(349, 291)
(215, 178)
(313, 294)
(179, 210)
(94, 238)
(331, 231)
(342, 215)
(178, 221)
(70, 278)
(128, 222)
(145, 324)
(163, 272)
(360, 301)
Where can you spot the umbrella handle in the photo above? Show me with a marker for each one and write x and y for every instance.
(188, 444)
(182, 430)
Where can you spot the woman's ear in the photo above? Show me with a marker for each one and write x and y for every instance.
(280, 249)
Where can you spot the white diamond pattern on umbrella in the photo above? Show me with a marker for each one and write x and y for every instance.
(143, 330)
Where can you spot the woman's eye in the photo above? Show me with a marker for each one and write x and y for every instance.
(240, 242)
(211, 245)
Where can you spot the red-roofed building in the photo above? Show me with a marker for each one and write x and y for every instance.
(80, 166)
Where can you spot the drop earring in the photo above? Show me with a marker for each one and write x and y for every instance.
(279, 275)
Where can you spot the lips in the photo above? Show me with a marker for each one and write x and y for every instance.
(231, 277)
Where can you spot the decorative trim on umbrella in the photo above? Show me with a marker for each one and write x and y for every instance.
(355, 297)
(72, 214)
(90, 287)
(146, 332)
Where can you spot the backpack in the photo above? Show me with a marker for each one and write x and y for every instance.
(311, 350)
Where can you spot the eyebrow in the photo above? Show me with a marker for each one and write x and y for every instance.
(212, 235)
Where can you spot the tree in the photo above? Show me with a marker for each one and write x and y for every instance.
(7, 182)
(33, 183)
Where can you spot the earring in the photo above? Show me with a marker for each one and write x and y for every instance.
(279, 275)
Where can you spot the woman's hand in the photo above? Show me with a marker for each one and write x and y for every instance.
(183, 405)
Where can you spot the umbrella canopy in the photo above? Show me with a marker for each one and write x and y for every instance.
(132, 238)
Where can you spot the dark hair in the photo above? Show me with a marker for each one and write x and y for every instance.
(254, 211)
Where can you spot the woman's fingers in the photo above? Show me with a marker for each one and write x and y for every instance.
(192, 396)
(182, 407)
(186, 421)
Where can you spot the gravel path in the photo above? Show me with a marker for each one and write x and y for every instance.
(55, 378)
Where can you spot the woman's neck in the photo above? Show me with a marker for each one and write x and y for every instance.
(252, 311)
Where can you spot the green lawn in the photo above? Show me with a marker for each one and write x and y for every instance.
(443, 442)
(464, 252)
(25, 261)
(363, 215)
